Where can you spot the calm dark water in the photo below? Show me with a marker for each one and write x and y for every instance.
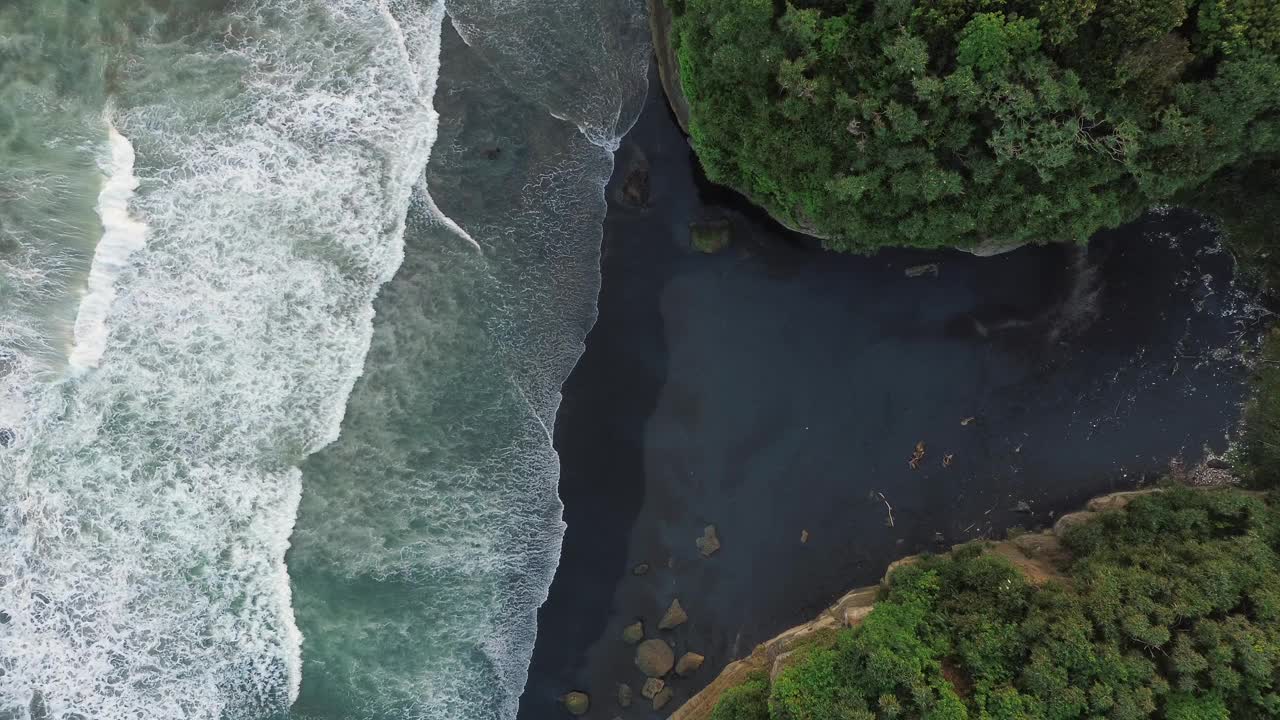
(775, 389)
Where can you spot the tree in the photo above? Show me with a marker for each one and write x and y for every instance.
(873, 123)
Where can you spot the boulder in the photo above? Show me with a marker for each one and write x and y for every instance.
(674, 617)
(633, 633)
(577, 703)
(709, 543)
(662, 698)
(688, 664)
(652, 687)
(624, 695)
(655, 658)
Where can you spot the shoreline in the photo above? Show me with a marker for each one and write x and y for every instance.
(1038, 556)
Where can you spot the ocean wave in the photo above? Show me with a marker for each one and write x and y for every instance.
(148, 502)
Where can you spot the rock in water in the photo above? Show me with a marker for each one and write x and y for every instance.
(624, 695)
(652, 687)
(709, 543)
(688, 664)
(916, 271)
(662, 698)
(655, 658)
(710, 237)
(633, 633)
(640, 569)
(577, 703)
(674, 617)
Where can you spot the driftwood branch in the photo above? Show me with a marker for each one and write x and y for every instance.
(887, 505)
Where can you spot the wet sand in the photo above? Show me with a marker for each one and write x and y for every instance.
(774, 390)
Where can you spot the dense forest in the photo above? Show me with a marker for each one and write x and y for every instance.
(1169, 609)
(956, 122)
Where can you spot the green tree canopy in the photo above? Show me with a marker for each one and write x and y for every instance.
(890, 122)
(1169, 610)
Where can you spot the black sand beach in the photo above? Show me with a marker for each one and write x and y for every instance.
(774, 390)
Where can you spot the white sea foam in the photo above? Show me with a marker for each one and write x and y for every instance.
(121, 237)
(147, 505)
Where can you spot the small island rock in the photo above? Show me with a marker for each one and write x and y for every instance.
(674, 617)
(633, 633)
(709, 543)
(655, 658)
(577, 703)
(688, 664)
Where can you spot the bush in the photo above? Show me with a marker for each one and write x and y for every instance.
(748, 701)
(1171, 611)
(953, 122)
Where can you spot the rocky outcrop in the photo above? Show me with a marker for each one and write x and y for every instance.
(1037, 555)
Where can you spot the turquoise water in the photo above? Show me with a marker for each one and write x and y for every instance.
(282, 277)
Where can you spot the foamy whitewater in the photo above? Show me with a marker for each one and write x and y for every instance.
(121, 236)
(200, 204)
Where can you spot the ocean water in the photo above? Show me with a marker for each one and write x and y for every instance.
(287, 292)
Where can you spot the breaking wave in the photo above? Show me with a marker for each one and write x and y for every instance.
(121, 236)
(148, 502)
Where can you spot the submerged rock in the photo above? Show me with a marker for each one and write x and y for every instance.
(577, 703)
(710, 237)
(641, 569)
(652, 687)
(633, 633)
(688, 664)
(624, 695)
(674, 617)
(916, 271)
(709, 543)
(655, 658)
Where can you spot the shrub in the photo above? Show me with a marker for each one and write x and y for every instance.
(748, 701)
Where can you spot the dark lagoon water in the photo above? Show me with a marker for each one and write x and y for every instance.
(774, 390)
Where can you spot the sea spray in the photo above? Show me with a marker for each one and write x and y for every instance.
(147, 502)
